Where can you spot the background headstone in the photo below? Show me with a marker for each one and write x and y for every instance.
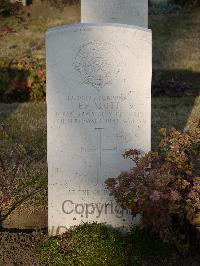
(132, 12)
(98, 106)
(24, 2)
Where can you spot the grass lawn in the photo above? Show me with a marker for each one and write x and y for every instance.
(175, 37)
(176, 41)
(27, 38)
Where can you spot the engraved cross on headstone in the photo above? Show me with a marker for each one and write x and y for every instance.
(99, 150)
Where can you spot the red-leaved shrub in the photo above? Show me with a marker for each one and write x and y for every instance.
(164, 188)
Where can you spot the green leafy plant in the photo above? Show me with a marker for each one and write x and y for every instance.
(164, 188)
(88, 244)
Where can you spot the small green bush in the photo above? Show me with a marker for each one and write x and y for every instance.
(89, 244)
(51, 253)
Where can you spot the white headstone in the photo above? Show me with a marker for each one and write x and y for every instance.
(24, 2)
(98, 106)
(131, 12)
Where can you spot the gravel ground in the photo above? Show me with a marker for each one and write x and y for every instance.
(19, 248)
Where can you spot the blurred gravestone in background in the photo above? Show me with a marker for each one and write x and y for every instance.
(131, 12)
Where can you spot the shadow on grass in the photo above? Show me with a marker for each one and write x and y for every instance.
(22, 230)
(175, 83)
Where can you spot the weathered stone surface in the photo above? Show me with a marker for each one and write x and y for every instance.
(132, 12)
(98, 105)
